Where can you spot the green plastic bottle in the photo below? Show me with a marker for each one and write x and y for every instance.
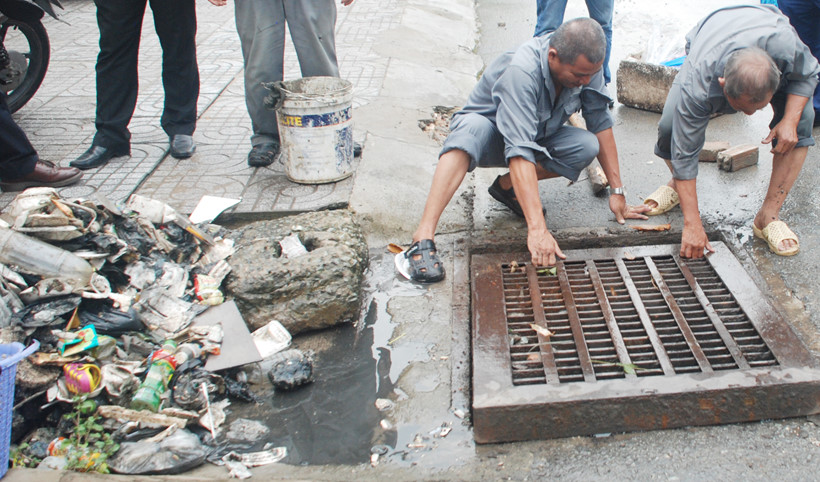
(149, 394)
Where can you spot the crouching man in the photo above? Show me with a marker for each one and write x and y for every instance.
(738, 59)
(515, 117)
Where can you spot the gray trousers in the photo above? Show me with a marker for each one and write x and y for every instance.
(261, 28)
(571, 149)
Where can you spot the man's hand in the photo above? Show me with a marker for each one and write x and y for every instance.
(786, 135)
(346, 2)
(622, 211)
(543, 247)
(786, 130)
(219, 3)
(694, 241)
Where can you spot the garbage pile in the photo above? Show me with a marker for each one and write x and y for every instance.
(139, 351)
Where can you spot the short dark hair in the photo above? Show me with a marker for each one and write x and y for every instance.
(750, 71)
(579, 36)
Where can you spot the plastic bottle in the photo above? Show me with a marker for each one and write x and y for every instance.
(163, 364)
(187, 351)
(41, 258)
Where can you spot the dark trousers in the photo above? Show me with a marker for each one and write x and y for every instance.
(804, 16)
(17, 155)
(120, 23)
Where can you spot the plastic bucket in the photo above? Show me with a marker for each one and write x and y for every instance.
(316, 129)
(10, 355)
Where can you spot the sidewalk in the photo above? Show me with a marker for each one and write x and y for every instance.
(60, 118)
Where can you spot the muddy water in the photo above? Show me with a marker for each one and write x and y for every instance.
(334, 420)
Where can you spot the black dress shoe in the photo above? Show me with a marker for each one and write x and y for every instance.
(182, 146)
(45, 174)
(263, 154)
(97, 156)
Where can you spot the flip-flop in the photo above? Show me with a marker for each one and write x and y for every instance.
(420, 262)
(775, 233)
(665, 197)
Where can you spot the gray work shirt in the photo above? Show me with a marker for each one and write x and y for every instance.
(517, 94)
(708, 46)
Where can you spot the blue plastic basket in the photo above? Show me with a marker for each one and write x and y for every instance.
(10, 355)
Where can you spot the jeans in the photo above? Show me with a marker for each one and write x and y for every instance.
(804, 16)
(551, 15)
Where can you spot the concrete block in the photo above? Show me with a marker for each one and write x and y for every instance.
(738, 157)
(642, 85)
(710, 150)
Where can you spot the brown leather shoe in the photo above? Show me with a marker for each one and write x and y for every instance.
(45, 174)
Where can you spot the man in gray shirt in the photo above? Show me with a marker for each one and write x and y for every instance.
(515, 116)
(738, 59)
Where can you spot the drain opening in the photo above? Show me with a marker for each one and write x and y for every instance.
(621, 317)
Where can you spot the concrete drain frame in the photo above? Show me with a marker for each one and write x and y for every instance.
(642, 340)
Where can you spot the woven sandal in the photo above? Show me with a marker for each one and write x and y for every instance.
(775, 233)
(665, 197)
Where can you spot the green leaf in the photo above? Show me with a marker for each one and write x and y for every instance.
(550, 271)
(629, 368)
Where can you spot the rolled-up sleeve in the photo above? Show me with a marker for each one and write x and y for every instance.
(595, 104)
(515, 94)
(689, 124)
(803, 79)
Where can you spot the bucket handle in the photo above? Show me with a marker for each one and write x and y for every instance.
(276, 97)
(20, 355)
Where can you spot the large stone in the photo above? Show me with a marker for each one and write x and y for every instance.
(313, 291)
(643, 85)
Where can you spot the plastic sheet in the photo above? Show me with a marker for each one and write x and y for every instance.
(175, 454)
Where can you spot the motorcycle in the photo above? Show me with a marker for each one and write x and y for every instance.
(24, 48)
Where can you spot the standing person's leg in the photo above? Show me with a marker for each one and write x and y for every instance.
(175, 24)
(804, 16)
(312, 27)
(120, 25)
(550, 15)
(17, 155)
(601, 12)
(20, 167)
(261, 28)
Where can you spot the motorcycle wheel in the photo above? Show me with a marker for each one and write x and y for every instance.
(29, 50)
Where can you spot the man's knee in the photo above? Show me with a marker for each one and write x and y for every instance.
(588, 149)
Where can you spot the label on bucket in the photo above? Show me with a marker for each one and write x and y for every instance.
(315, 120)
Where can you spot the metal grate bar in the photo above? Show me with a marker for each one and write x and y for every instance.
(654, 339)
(727, 338)
(697, 351)
(609, 316)
(547, 355)
(575, 323)
(757, 351)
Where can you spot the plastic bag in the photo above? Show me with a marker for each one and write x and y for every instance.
(111, 321)
(665, 44)
(177, 453)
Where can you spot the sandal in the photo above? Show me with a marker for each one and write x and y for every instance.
(420, 262)
(507, 197)
(775, 233)
(665, 197)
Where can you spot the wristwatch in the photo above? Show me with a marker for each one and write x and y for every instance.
(618, 190)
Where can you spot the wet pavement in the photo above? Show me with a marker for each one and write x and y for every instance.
(411, 345)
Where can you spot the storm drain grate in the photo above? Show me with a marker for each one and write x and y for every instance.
(628, 339)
